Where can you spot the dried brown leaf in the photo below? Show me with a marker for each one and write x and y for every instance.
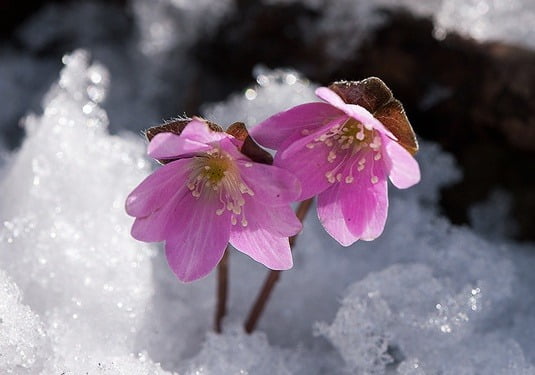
(374, 95)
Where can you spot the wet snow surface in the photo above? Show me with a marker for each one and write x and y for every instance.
(78, 295)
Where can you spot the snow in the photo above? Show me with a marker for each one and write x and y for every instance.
(65, 236)
(347, 22)
(274, 91)
(423, 326)
(489, 20)
(167, 24)
(22, 337)
(78, 295)
(81, 295)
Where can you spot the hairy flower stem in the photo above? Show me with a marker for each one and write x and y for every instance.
(272, 278)
(222, 292)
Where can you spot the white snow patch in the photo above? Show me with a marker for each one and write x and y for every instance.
(347, 22)
(65, 237)
(81, 296)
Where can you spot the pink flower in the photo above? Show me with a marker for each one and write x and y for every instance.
(343, 153)
(209, 194)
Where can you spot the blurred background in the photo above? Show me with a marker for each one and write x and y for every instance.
(464, 70)
(446, 289)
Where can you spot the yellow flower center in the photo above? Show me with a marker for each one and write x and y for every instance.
(215, 174)
(214, 169)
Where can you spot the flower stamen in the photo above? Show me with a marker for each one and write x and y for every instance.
(215, 172)
(344, 141)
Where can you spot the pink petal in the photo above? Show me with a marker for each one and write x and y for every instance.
(153, 192)
(272, 251)
(366, 213)
(196, 137)
(404, 169)
(169, 145)
(231, 146)
(199, 131)
(278, 129)
(364, 202)
(332, 218)
(367, 119)
(309, 165)
(272, 185)
(277, 220)
(330, 97)
(354, 110)
(199, 239)
(160, 224)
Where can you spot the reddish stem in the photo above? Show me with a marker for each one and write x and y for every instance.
(272, 278)
(222, 291)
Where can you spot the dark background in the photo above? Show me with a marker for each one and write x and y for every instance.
(483, 109)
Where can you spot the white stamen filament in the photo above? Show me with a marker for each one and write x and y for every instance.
(215, 173)
(351, 140)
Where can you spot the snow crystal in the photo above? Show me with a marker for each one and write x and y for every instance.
(378, 326)
(238, 353)
(23, 344)
(65, 237)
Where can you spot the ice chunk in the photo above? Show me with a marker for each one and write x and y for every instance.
(383, 309)
(236, 352)
(24, 346)
(102, 364)
(65, 237)
(406, 317)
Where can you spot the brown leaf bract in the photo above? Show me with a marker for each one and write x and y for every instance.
(175, 127)
(249, 148)
(237, 130)
(373, 94)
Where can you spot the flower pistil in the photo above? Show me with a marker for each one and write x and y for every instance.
(214, 174)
